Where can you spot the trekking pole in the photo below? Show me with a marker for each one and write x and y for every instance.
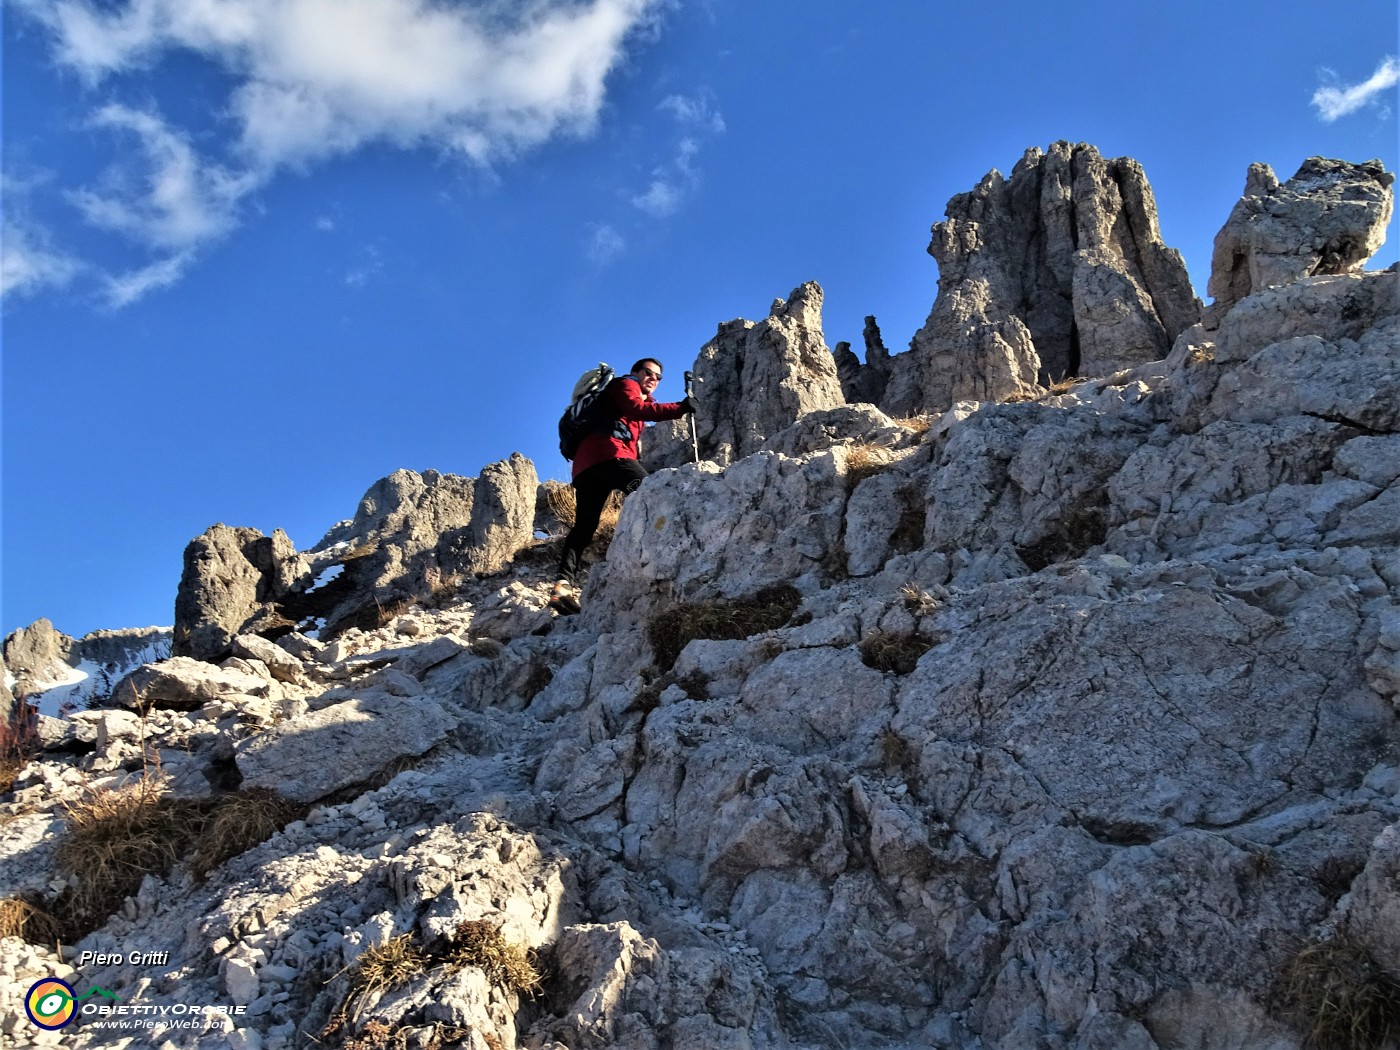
(694, 441)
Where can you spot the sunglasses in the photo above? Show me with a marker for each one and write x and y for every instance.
(653, 375)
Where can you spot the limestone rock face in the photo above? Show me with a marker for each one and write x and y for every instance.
(415, 532)
(1329, 218)
(411, 535)
(753, 380)
(682, 533)
(7, 698)
(1058, 271)
(230, 578)
(864, 383)
(35, 654)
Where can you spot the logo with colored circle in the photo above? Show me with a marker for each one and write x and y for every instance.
(49, 1003)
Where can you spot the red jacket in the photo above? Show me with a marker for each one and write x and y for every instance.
(624, 401)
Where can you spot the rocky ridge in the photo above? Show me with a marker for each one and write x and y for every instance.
(1058, 722)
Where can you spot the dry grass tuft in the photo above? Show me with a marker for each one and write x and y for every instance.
(115, 838)
(917, 600)
(239, 822)
(19, 742)
(375, 1035)
(561, 501)
(387, 966)
(480, 943)
(865, 461)
(400, 960)
(893, 653)
(897, 754)
(28, 921)
(1342, 997)
(916, 424)
(379, 969)
(672, 630)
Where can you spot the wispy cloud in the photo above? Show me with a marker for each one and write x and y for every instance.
(28, 261)
(1337, 100)
(605, 244)
(697, 119)
(125, 289)
(486, 80)
(371, 266)
(698, 112)
(663, 196)
(166, 196)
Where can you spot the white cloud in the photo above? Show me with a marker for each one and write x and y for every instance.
(1336, 101)
(125, 289)
(370, 268)
(662, 197)
(671, 182)
(483, 79)
(174, 199)
(29, 263)
(320, 77)
(605, 244)
(698, 112)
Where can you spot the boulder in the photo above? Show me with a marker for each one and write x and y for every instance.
(280, 663)
(860, 424)
(700, 534)
(1372, 911)
(1058, 271)
(362, 735)
(231, 580)
(184, 683)
(1323, 347)
(1329, 218)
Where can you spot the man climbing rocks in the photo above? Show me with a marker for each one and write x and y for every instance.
(606, 461)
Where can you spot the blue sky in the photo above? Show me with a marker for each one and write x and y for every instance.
(260, 253)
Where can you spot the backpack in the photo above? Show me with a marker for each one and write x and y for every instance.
(579, 419)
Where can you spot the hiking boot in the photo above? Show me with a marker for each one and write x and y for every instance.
(564, 598)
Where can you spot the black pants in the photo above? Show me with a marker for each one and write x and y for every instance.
(591, 491)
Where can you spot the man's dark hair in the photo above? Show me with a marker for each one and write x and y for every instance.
(647, 361)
